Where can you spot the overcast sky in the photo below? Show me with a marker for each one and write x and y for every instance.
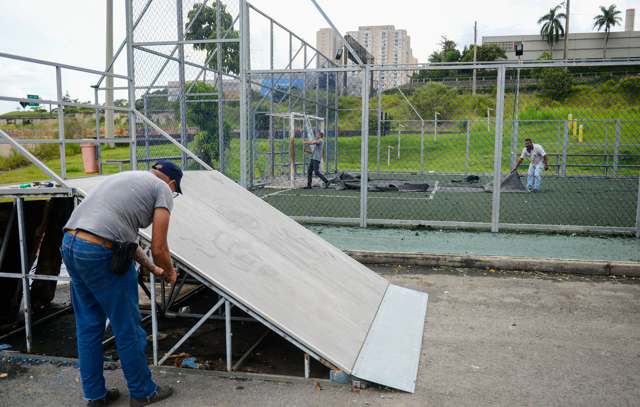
(72, 31)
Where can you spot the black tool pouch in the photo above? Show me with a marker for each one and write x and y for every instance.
(123, 254)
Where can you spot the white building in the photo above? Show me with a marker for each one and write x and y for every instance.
(621, 44)
(387, 45)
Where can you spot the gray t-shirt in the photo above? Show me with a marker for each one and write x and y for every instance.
(120, 205)
(317, 150)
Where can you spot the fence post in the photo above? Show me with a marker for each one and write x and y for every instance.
(565, 146)
(63, 153)
(131, 87)
(147, 149)
(244, 34)
(221, 136)
(98, 145)
(616, 149)
(514, 142)
(336, 112)
(379, 113)
(421, 146)
(364, 148)
(638, 211)
(497, 158)
(467, 152)
(182, 80)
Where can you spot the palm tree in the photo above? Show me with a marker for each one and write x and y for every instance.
(552, 29)
(609, 18)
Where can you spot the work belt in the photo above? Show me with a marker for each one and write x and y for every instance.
(91, 238)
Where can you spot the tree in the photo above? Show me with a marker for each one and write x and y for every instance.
(552, 28)
(487, 52)
(555, 83)
(204, 115)
(203, 27)
(447, 53)
(608, 18)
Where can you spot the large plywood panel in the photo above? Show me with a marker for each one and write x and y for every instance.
(282, 271)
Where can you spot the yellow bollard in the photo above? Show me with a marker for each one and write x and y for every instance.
(581, 134)
(575, 127)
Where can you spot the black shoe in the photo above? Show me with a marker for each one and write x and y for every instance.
(326, 185)
(111, 396)
(161, 393)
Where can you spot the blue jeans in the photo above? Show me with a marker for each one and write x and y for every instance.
(534, 177)
(98, 294)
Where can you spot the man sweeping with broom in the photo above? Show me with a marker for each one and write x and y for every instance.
(537, 161)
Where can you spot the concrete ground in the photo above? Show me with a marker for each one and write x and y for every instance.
(505, 339)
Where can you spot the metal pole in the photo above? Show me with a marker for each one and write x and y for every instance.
(131, 83)
(306, 366)
(98, 144)
(475, 54)
(565, 145)
(181, 80)
(228, 335)
(514, 142)
(364, 147)
(326, 119)
(435, 127)
(271, 119)
(24, 269)
(108, 117)
(616, 149)
(221, 135)
(468, 144)
(638, 211)
(566, 31)
(147, 149)
(421, 146)
(336, 99)
(154, 318)
(497, 159)
(244, 34)
(379, 121)
(63, 154)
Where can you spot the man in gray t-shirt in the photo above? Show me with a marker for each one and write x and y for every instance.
(316, 158)
(107, 220)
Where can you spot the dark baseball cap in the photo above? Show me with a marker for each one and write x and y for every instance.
(171, 170)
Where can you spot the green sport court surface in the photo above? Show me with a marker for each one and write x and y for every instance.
(563, 201)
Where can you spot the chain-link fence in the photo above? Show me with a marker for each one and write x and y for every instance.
(433, 160)
(432, 145)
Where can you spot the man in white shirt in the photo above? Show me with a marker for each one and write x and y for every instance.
(537, 161)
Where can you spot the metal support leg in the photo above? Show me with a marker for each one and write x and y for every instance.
(154, 318)
(191, 331)
(24, 269)
(306, 366)
(228, 334)
(514, 142)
